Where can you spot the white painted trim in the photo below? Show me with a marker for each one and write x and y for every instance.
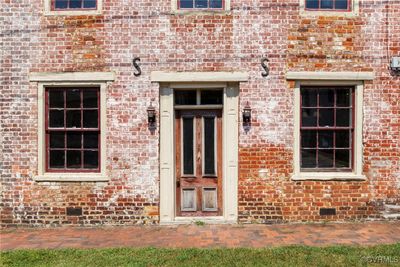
(49, 12)
(71, 76)
(171, 77)
(229, 156)
(355, 10)
(192, 220)
(356, 174)
(175, 10)
(69, 177)
(342, 76)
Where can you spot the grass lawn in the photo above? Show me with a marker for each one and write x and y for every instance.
(383, 255)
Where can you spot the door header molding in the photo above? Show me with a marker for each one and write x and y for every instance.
(163, 76)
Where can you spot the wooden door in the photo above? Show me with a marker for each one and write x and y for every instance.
(198, 162)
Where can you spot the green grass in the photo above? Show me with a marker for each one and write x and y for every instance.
(383, 255)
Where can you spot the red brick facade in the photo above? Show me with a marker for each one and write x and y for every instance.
(229, 41)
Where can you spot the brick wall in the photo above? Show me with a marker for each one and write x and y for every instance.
(32, 42)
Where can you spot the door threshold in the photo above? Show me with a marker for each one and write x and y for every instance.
(193, 220)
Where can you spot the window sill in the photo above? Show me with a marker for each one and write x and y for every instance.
(196, 12)
(330, 13)
(73, 177)
(328, 176)
(72, 12)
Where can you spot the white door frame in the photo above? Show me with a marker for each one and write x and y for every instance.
(229, 157)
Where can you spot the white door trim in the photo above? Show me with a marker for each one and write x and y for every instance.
(229, 155)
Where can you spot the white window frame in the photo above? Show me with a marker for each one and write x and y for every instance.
(176, 10)
(71, 12)
(81, 79)
(355, 8)
(353, 79)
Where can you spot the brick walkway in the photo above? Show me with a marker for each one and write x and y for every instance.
(203, 236)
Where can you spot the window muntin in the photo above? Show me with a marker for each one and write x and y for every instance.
(327, 129)
(72, 129)
(74, 4)
(200, 4)
(327, 5)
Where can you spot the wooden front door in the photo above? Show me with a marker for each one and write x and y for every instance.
(198, 162)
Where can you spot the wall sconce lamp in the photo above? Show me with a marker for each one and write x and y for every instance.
(151, 116)
(247, 114)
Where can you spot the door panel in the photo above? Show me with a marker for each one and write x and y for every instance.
(198, 162)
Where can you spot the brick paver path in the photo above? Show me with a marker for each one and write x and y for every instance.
(369, 233)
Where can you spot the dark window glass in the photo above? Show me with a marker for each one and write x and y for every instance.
(56, 99)
(90, 119)
(74, 140)
(186, 3)
(73, 119)
(91, 159)
(211, 97)
(57, 159)
(328, 144)
(209, 146)
(89, 4)
(74, 159)
(326, 4)
(57, 140)
(309, 98)
(186, 97)
(74, 4)
(72, 147)
(341, 4)
(215, 3)
(188, 164)
(61, 4)
(56, 119)
(201, 3)
(309, 117)
(90, 99)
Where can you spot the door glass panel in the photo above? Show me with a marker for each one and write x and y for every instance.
(209, 145)
(187, 140)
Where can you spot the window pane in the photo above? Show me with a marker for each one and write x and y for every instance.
(342, 158)
(342, 139)
(308, 139)
(89, 98)
(309, 117)
(343, 98)
(61, 4)
(325, 158)
(73, 98)
(74, 140)
(185, 97)
(57, 140)
(326, 98)
(56, 98)
(308, 158)
(326, 117)
(312, 4)
(74, 159)
(211, 97)
(341, 4)
(73, 119)
(91, 159)
(56, 118)
(57, 159)
(90, 140)
(209, 145)
(75, 3)
(327, 4)
(215, 3)
(325, 139)
(343, 117)
(89, 3)
(188, 165)
(309, 97)
(186, 3)
(90, 119)
(201, 3)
